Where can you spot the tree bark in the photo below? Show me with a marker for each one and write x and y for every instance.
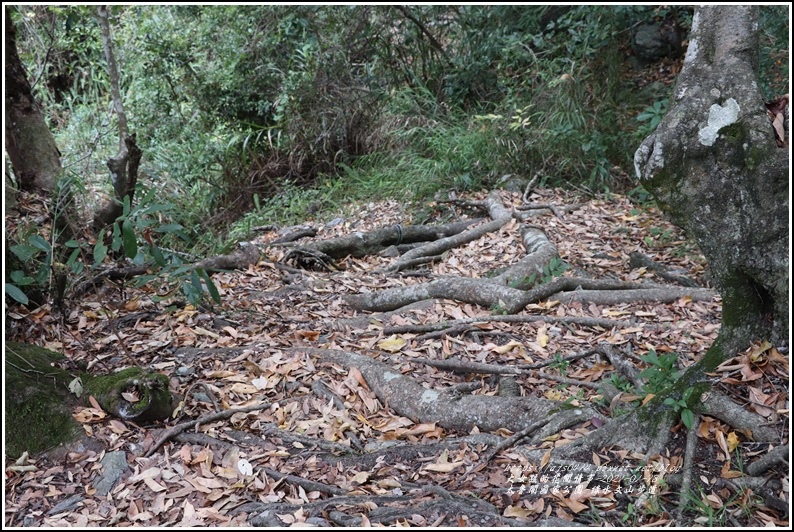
(29, 142)
(714, 167)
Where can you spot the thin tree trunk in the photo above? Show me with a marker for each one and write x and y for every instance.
(124, 166)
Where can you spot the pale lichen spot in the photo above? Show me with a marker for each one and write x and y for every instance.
(388, 376)
(428, 396)
(719, 117)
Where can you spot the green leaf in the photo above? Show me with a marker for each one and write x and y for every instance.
(158, 256)
(24, 252)
(196, 281)
(100, 252)
(16, 294)
(126, 206)
(156, 207)
(687, 394)
(651, 357)
(213, 290)
(143, 280)
(38, 242)
(129, 239)
(19, 277)
(73, 257)
(688, 417)
(193, 295)
(115, 243)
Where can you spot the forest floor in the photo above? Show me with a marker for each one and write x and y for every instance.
(324, 450)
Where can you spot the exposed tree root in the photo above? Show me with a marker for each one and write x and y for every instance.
(498, 213)
(452, 410)
(292, 234)
(489, 294)
(465, 366)
(720, 406)
(373, 242)
(628, 432)
(167, 434)
(528, 210)
(689, 461)
(667, 294)
(776, 456)
(454, 325)
(413, 508)
(364, 321)
(639, 260)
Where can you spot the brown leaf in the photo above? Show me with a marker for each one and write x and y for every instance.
(359, 378)
(443, 467)
(727, 473)
(545, 460)
(723, 443)
(517, 511)
(576, 506)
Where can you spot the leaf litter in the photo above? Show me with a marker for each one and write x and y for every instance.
(305, 452)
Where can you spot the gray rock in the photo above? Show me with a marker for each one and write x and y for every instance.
(114, 464)
(653, 41)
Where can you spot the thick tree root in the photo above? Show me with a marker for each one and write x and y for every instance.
(452, 410)
(720, 406)
(488, 293)
(689, 462)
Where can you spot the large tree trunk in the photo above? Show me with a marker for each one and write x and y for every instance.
(714, 167)
(29, 143)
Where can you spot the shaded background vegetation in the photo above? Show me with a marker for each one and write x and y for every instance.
(252, 115)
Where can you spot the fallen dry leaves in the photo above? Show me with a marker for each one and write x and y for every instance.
(322, 415)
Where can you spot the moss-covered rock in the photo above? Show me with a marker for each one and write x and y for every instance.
(39, 403)
(133, 394)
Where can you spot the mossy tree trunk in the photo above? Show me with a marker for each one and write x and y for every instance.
(715, 169)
